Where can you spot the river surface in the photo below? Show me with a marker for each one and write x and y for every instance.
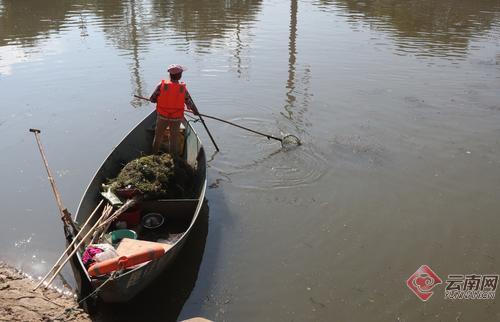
(397, 104)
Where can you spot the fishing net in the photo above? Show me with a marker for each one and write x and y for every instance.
(290, 141)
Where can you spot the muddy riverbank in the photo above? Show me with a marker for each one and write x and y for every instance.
(18, 301)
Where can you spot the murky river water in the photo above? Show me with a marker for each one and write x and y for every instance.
(398, 105)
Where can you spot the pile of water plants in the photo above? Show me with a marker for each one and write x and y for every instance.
(154, 177)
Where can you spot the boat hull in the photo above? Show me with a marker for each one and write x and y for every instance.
(138, 142)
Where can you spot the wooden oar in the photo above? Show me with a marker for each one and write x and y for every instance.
(70, 245)
(200, 116)
(65, 215)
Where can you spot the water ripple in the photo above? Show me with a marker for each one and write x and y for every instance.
(358, 151)
(266, 164)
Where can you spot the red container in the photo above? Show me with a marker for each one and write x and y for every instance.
(132, 216)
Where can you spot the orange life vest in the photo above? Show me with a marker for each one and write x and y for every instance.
(122, 262)
(170, 102)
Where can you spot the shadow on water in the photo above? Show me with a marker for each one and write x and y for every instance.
(164, 300)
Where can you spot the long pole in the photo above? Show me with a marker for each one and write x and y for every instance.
(60, 266)
(125, 206)
(240, 126)
(56, 265)
(65, 215)
(222, 120)
(204, 125)
(199, 115)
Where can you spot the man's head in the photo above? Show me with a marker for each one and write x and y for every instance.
(175, 71)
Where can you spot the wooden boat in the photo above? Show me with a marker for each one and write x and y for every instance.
(180, 214)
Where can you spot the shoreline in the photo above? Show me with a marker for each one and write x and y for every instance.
(18, 301)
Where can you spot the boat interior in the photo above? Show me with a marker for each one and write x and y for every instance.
(151, 222)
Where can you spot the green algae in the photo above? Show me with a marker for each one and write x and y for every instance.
(155, 176)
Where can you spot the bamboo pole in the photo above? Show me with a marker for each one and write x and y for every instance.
(98, 232)
(71, 244)
(59, 268)
(65, 215)
(127, 205)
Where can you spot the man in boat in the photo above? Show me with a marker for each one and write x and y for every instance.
(170, 98)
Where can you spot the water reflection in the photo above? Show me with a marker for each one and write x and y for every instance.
(25, 27)
(131, 26)
(292, 49)
(238, 50)
(424, 27)
(294, 110)
(182, 22)
(25, 22)
(206, 21)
